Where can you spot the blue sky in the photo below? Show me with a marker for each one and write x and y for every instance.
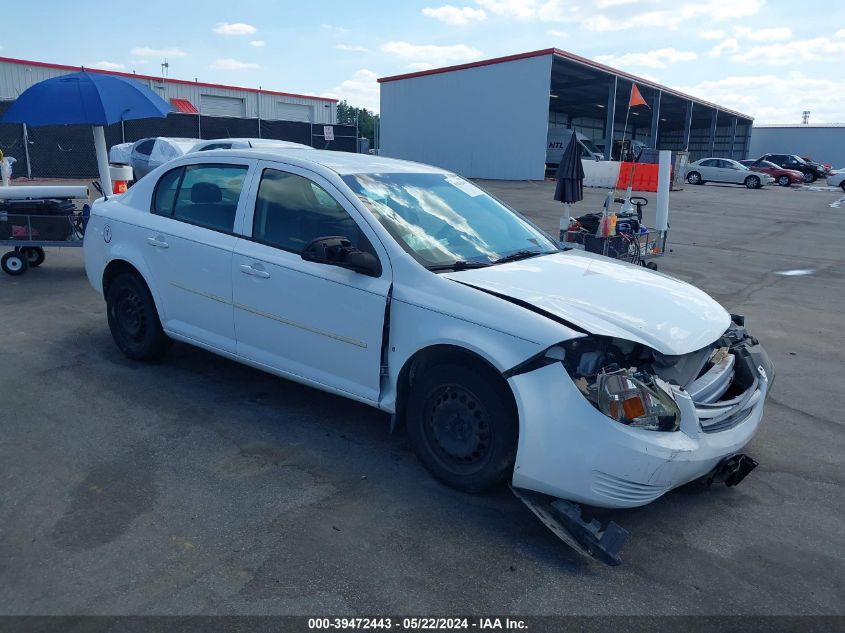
(768, 58)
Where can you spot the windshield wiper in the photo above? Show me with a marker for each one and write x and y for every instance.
(458, 265)
(515, 257)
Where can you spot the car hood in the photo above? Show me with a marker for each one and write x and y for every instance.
(606, 297)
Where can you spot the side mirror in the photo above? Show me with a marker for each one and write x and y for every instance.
(338, 251)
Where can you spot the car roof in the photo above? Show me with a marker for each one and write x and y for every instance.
(342, 163)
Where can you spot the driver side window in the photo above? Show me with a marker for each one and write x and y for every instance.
(291, 211)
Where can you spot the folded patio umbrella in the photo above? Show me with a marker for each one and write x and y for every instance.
(87, 98)
(570, 181)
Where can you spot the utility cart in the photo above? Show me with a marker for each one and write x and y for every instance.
(32, 218)
(632, 242)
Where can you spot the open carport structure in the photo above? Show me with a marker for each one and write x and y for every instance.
(491, 119)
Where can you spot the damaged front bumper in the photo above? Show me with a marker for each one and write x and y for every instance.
(569, 450)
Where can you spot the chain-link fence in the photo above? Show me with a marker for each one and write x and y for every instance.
(67, 151)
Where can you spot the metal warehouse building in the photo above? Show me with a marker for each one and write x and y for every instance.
(189, 97)
(490, 119)
(824, 143)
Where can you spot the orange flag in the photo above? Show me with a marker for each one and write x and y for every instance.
(636, 98)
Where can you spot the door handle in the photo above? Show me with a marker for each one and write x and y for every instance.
(158, 242)
(255, 272)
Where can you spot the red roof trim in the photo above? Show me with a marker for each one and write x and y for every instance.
(183, 105)
(12, 60)
(571, 57)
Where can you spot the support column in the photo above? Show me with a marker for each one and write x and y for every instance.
(687, 126)
(611, 118)
(747, 148)
(733, 135)
(655, 119)
(713, 120)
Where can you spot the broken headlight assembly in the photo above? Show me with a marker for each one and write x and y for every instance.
(636, 399)
(617, 377)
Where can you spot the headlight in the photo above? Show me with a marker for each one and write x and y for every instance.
(636, 401)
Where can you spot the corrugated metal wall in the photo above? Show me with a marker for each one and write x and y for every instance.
(824, 144)
(483, 122)
(15, 78)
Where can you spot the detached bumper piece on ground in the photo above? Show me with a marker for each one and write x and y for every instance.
(604, 542)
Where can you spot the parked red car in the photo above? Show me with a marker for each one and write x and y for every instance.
(784, 177)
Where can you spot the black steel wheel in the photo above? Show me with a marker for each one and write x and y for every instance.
(133, 319)
(462, 426)
(34, 255)
(809, 177)
(784, 181)
(14, 263)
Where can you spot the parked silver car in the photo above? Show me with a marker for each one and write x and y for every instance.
(149, 153)
(725, 170)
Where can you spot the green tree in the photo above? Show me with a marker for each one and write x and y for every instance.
(367, 120)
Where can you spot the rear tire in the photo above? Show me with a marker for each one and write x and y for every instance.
(462, 427)
(34, 255)
(694, 178)
(753, 182)
(14, 263)
(133, 319)
(784, 181)
(842, 186)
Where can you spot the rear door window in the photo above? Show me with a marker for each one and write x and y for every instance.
(204, 195)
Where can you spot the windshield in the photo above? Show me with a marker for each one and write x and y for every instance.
(590, 146)
(442, 220)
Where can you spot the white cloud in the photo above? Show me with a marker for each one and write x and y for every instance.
(659, 58)
(775, 98)
(227, 63)
(104, 65)
(454, 15)
(730, 45)
(671, 15)
(360, 90)
(234, 28)
(714, 34)
(839, 33)
(519, 9)
(763, 35)
(419, 66)
(257, 43)
(555, 33)
(354, 48)
(145, 51)
(338, 30)
(819, 49)
(432, 53)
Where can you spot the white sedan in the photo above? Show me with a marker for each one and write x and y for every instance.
(725, 170)
(576, 378)
(836, 178)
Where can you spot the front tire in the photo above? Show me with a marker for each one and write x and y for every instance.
(842, 186)
(133, 319)
(462, 427)
(784, 181)
(753, 182)
(809, 177)
(694, 178)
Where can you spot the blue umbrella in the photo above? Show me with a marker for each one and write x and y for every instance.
(86, 98)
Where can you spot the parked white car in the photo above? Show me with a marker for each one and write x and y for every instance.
(725, 170)
(244, 143)
(149, 153)
(836, 178)
(410, 289)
